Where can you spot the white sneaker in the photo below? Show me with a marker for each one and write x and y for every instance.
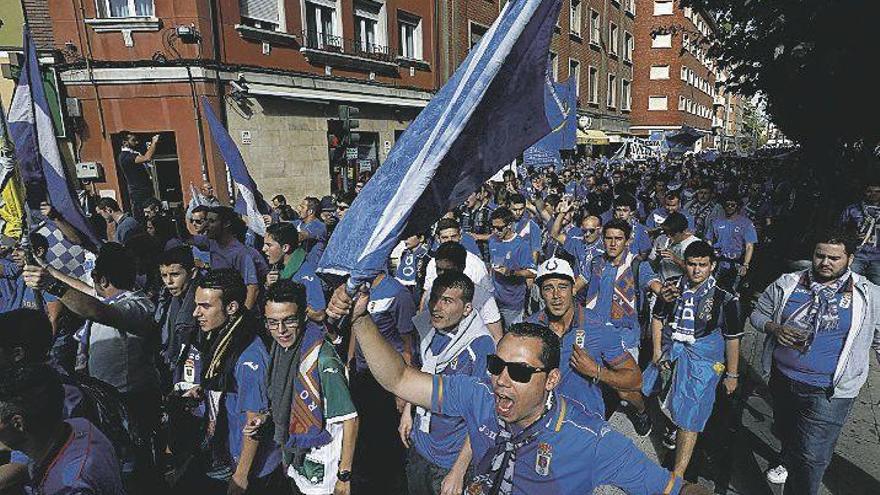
(777, 475)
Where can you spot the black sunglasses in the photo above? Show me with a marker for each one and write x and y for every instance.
(519, 372)
(499, 228)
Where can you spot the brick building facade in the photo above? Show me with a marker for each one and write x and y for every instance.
(594, 42)
(276, 71)
(675, 80)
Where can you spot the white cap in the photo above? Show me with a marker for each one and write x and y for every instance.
(555, 267)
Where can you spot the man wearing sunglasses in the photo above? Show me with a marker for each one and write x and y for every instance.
(734, 238)
(590, 356)
(584, 242)
(512, 266)
(529, 439)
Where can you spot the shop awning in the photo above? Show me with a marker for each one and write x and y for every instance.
(593, 137)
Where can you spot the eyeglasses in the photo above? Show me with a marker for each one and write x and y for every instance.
(290, 323)
(499, 228)
(590, 231)
(195, 221)
(518, 372)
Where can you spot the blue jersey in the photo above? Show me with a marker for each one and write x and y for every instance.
(317, 240)
(602, 346)
(608, 305)
(314, 290)
(817, 365)
(409, 266)
(86, 463)
(574, 451)
(514, 254)
(442, 443)
(729, 236)
(392, 309)
(13, 291)
(583, 253)
(530, 231)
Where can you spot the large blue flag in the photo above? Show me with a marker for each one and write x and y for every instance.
(248, 201)
(482, 119)
(560, 100)
(39, 161)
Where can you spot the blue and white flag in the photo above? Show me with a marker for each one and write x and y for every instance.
(40, 166)
(482, 119)
(560, 100)
(248, 201)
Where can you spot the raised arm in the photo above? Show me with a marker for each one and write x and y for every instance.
(386, 364)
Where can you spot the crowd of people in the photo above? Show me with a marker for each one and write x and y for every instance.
(198, 357)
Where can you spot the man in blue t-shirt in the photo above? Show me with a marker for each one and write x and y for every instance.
(232, 381)
(528, 438)
(734, 239)
(524, 225)
(821, 327)
(289, 261)
(590, 355)
(14, 294)
(454, 341)
(625, 209)
(65, 456)
(583, 242)
(863, 217)
(513, 265)
(671, 204)
(313, 232)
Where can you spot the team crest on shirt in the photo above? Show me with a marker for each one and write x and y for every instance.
(706, 312)
(580, 337)
(542, 462)
(718, 367)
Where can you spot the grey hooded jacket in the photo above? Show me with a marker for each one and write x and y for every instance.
(864, 333)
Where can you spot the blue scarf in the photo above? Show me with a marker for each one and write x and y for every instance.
(823, 312)
(684, 324)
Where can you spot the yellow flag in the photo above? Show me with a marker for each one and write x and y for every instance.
(12, 210)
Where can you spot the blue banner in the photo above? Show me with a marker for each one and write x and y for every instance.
(560, 100)
(480, 120)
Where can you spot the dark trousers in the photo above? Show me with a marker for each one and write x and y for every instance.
(379, 454)
(425, 478)
(808, 422)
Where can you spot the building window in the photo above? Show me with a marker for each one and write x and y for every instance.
(662, 7)
(661, 41)
(613, 38)
(554, 66)
(628, 46)
(682, 103)
(574, 21)
(595, 27)
(137, 8)
(657, 103)
(321, 26)
(476, 34)
(611, 93)
(659, 72)
(630, 6)
(574, 70)
(625, 95)
(593, 85)
(410, 35)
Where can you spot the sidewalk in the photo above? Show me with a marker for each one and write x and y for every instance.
(734, 463)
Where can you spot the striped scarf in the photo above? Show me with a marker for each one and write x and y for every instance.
(623, 301)
(684, 321)
(307, 412)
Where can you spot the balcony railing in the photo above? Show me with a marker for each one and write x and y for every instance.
(314, 40)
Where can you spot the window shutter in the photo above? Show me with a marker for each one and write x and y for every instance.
(260, 10)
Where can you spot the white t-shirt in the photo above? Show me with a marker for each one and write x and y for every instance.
(474, 268)
(668, 269)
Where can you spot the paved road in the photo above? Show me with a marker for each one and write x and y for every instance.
(734, 462)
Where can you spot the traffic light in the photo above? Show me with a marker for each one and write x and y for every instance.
(348, 116)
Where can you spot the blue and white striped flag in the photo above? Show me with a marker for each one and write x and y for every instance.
(482, 119)
(248, 201)
(39, 161)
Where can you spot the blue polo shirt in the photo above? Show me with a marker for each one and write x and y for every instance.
(860, 216)
(584, 451)
(514, 254)
(14, 294)
(86, 463)
(391, 308)
(583, 253)
(816, 366)
(729, 236)
(314, 291)
(317, 240)
(442, 444)
(530, 231)
(601, 346)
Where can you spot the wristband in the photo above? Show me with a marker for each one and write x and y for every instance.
(731, 375)
(58, 289)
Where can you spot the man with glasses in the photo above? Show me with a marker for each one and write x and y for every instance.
(582, 243)
(318, 439)
(454, 342)
(734, 238)
(528, 438)
(199, 222)
(512, 266)
(590, 355)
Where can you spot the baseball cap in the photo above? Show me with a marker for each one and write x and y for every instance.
(327, 204)
(555, 267)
